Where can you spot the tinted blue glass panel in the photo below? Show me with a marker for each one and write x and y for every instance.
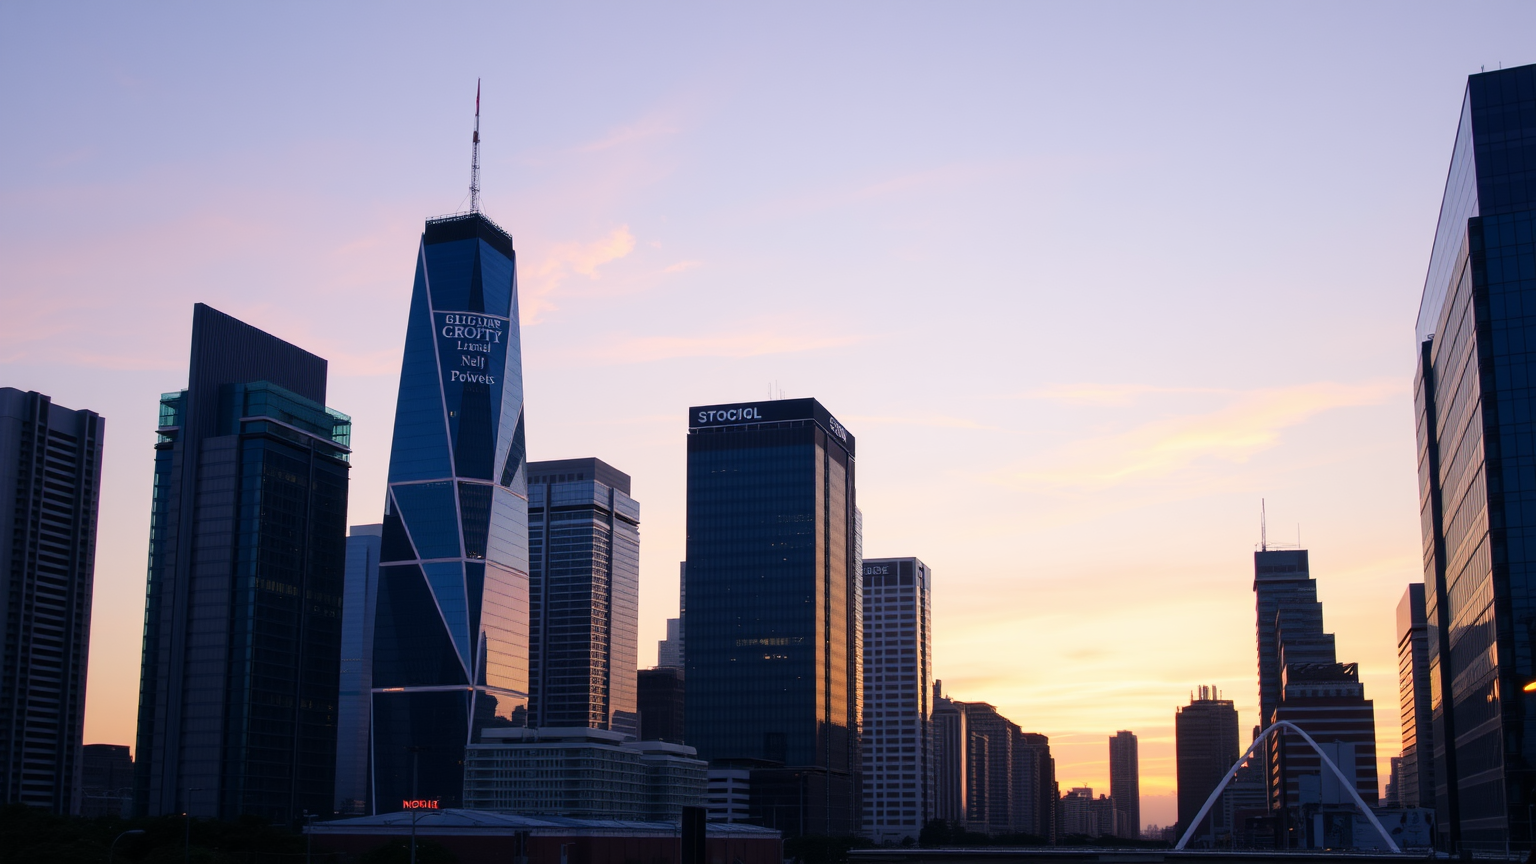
(431, 515)
(447, 581)
(496, 280)
(449, 266)
(411, 646)
(504, 621)
(420, 447)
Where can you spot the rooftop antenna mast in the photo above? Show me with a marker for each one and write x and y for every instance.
(1263, 528)
(474, 161)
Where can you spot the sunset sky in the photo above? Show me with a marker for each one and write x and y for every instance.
(1088, 282)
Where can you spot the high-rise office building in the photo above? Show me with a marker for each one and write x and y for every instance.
(1034, 776)
(450, 626)
(1125, 783)
(661, 701)
(1416, 777)
(989, 776)
(356, 696)
(1205, 735)
(1285, 597)
(583, 596)
(1328, 701)
(950, 739)
(772, 623)
(898, 682)
(50, 479)
(669, 651)
(1475, 361)
(242, 621)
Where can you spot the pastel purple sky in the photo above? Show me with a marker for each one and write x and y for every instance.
(1086, 280)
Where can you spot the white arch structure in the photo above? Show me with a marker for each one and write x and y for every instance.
(1263, 736)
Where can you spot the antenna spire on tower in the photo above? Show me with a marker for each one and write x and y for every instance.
(474, 160)
(1263, 528)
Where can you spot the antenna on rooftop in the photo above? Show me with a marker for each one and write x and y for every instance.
(1263, 529)
(474, 160)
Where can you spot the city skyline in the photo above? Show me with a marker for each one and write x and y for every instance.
(297, 211)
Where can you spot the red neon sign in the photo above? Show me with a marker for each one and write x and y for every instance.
(419, 804)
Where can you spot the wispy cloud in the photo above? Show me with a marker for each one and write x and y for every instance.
(650, 127)
(1107, 394)
(681, 266)
(939, 421)
(567, 259)
(1249, 423)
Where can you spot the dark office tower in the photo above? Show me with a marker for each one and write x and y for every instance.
(898, 682)
(772, 623)
(950, 737)
(1125, 782)
(450, 634)
(660, 697)
(1477, 355)
(1034, 776)
(50, 474)
(583, 596)
(1416, 780)
(106, 781)
(1328, 701)
(1285, 598)
(242, 620)
(352, 714)
(1205, 734)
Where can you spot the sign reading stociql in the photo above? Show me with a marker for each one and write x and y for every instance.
(727, 416)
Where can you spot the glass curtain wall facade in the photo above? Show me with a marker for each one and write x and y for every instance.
(242, 631)
(50, 481)
(352, 717)
(1474, 390)
(583, 596)
(898, 682)
(450, 654)
(1416, 775)
(772, 619)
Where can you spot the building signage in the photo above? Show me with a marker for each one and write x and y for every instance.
(730, 415)
(471, 346)
(419, 804)
(879, 569)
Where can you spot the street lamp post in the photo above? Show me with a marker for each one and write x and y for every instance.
(112, 850)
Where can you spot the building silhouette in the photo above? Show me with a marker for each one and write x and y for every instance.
(450, 653)
(660, 696)
(50, 480)
(1205, 735)
(583, 596)
(1416, 772)
(772, 619)
(991, 777)
(1474, 435)
(356, 697)
(242, 623)
(106, 781)
(1125, 783)
(898, 684)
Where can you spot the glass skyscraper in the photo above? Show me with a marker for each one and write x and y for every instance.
(898, 684)
(772, 619)
(451, 617)
(242, 620)
(352, 715)
(1416, 777)
(1474, 389)
(50, 482)
(583, 596)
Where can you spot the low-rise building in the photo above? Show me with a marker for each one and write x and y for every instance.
(730, 794)
(581, 773)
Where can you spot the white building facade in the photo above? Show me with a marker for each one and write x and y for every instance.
(898, 686)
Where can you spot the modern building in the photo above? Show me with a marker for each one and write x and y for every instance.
(1285, 597)
(450, 625)
(581, 773)
(772, 618)
(1416, 775)
(360, 592)
(1083, 815)
(1125, 783)
(730, 795)
(1205, 735)
(1328, 701)
(898, 684)
(50, 480)
(660, 696)
(583, 596)
(669, 651)
(991, 777)
(106, 781)
(242, 620)
(1474, 360)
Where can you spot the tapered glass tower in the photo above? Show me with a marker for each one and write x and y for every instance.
(451, 622)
